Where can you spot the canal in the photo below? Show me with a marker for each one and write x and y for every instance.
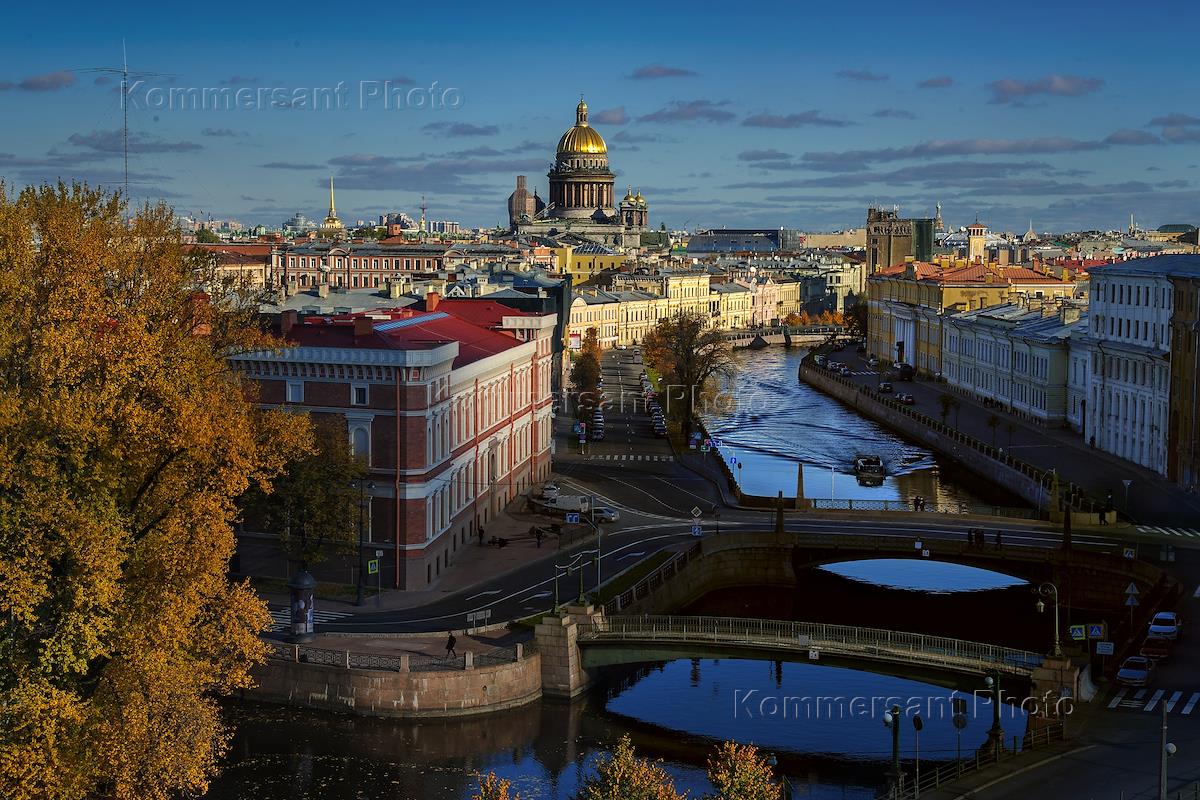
(769, 422)
(822, 722)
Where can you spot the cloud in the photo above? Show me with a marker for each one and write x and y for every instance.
(933, 175)
(528, 146)
(446, 175)
(447, 128)
(652, 71)
(938, 82)
(861, 75)
(941, 148)
(289, 165)
(795, 120)
(1173, 120)
(1010, 89)
(762, 155)
(689, 111)
(112, 142)
(221, 132)
(894, 113)
(1127, 136)
(611, 116)
(628, 137)
(238, 80)
(48, 82)
(102, 80)
(1178, 135)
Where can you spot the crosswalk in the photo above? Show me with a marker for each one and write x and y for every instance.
(1190, 533)
(280, 618)
(628, 457)
(1150, 700)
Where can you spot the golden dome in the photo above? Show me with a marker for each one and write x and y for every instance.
(582, 138)
(641, 201)
(628, 198)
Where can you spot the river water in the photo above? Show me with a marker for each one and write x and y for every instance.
(822, 722)
(769, 422)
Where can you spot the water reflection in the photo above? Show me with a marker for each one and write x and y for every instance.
(937, 577)
(770, 423)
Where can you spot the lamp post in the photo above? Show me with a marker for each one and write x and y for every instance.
(1045, 590)
(995, 733)
(1166, 750)
(363, 487)
(773, 762)
(891, 719)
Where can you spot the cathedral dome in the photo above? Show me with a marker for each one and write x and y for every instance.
(582, 138)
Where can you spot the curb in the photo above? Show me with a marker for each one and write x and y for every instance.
(1022, 771)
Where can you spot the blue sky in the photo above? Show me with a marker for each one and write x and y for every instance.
(759, 114)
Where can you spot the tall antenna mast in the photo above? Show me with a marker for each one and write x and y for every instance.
(125, 109)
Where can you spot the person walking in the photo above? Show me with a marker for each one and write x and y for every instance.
(999, 540)
(450, 642)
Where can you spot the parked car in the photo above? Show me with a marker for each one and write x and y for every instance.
(550, 492)
(872, 362)
(885, 388)
(1135, 671)
(622, 347)
(660, 431)
(819, 360)
(902, 372)
(1165, 624)
(845, 372)
(606, 514)
(907, 399)
(1156, 648)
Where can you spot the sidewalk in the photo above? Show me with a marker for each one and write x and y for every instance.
(1152, 498)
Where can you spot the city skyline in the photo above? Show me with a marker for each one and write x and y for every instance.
(1025, 116)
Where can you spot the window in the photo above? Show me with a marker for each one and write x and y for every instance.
(295, 391)
(358, 394)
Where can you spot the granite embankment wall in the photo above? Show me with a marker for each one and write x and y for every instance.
(392, 693)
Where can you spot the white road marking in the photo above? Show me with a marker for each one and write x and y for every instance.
(1140, 694)
(632, 555)
(484, 594)
(1191, 703)
(1118, 698)
(1174, 699)
(1197, 592)
(1154, 700)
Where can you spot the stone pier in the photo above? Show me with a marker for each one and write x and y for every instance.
(557, 637)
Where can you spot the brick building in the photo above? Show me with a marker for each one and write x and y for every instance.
(352, 265)
(450, 407)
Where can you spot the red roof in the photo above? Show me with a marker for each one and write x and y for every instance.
(487, 313)
(971, 273)
(421, 330)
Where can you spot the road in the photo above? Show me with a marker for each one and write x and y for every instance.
(636, 473)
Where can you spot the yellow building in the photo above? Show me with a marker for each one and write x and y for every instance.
(906, 303)
(583, 262)
(732, 306)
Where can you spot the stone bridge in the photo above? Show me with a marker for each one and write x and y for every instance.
(785, 335)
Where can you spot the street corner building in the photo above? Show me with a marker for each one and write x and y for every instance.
(449, 406)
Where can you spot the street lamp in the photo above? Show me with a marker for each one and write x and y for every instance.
(995, 733)
(891, 719)
(773, 762)
(363, 487)
(1045, 590)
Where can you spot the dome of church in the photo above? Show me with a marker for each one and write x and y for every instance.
(582, 138)
(628, 198)
(641, 201)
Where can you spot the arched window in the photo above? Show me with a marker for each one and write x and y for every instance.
(360, 444)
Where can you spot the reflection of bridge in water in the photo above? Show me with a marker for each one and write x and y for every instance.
(629, 639)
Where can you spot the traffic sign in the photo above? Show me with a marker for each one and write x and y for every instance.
(1096, 630)
(696, 511)
(379, 554)
(1130, 552)
(1132, 601)
(1078, 633)
(704, 448)
(572, 516)
(814, 654)
(925, 553)
(1104, 648)
(1132, 589)
(917, 545)
(697, 530)
(733, 459)
(373, 566)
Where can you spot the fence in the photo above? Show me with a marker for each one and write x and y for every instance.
(877, 643)
(406, 662)
(650, 583)
(834, 504)
(1071, 495)
(986, 756)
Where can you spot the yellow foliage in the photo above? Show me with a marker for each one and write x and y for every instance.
(492, 787)
(738, 772)
(623, 776)
(125, 439)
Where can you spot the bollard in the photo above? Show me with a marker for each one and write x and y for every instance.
(404, 663)
(347, 659)
(296, 653)
(520, 652)
(469, 660)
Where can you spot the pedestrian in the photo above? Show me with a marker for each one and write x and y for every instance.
(450, 642)
(538, 537)
(1103, 521)
(999, 540)
(481, 536)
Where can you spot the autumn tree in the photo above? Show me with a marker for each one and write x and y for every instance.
(313, 506)
(492, 787)
(855, 318)
(621, 775)
(792, 319)
(125, 440)
(739, 772)
(585, 372)
(688, 354)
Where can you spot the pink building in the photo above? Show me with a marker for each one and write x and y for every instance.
(451, 408)
(764, 299)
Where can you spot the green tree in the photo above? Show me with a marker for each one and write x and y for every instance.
(313, 506)
(125, 441)
(205, 236)
(739, 772)
(993, 422)
(585, 372)
(688, 354)
(621, 775)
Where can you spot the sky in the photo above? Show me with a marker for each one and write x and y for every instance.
(760, 114)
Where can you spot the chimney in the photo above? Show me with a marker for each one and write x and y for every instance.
(363, 325)
(1068, 314)
(287, 321)
(1004, 256)
(322, 290)
(431, 301)
(395, 289)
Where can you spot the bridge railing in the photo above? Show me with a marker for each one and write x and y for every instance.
(651, 582)
(840, 639)
(837, 504)
(405, 662)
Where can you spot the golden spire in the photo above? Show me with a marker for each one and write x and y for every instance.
(332, 208)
